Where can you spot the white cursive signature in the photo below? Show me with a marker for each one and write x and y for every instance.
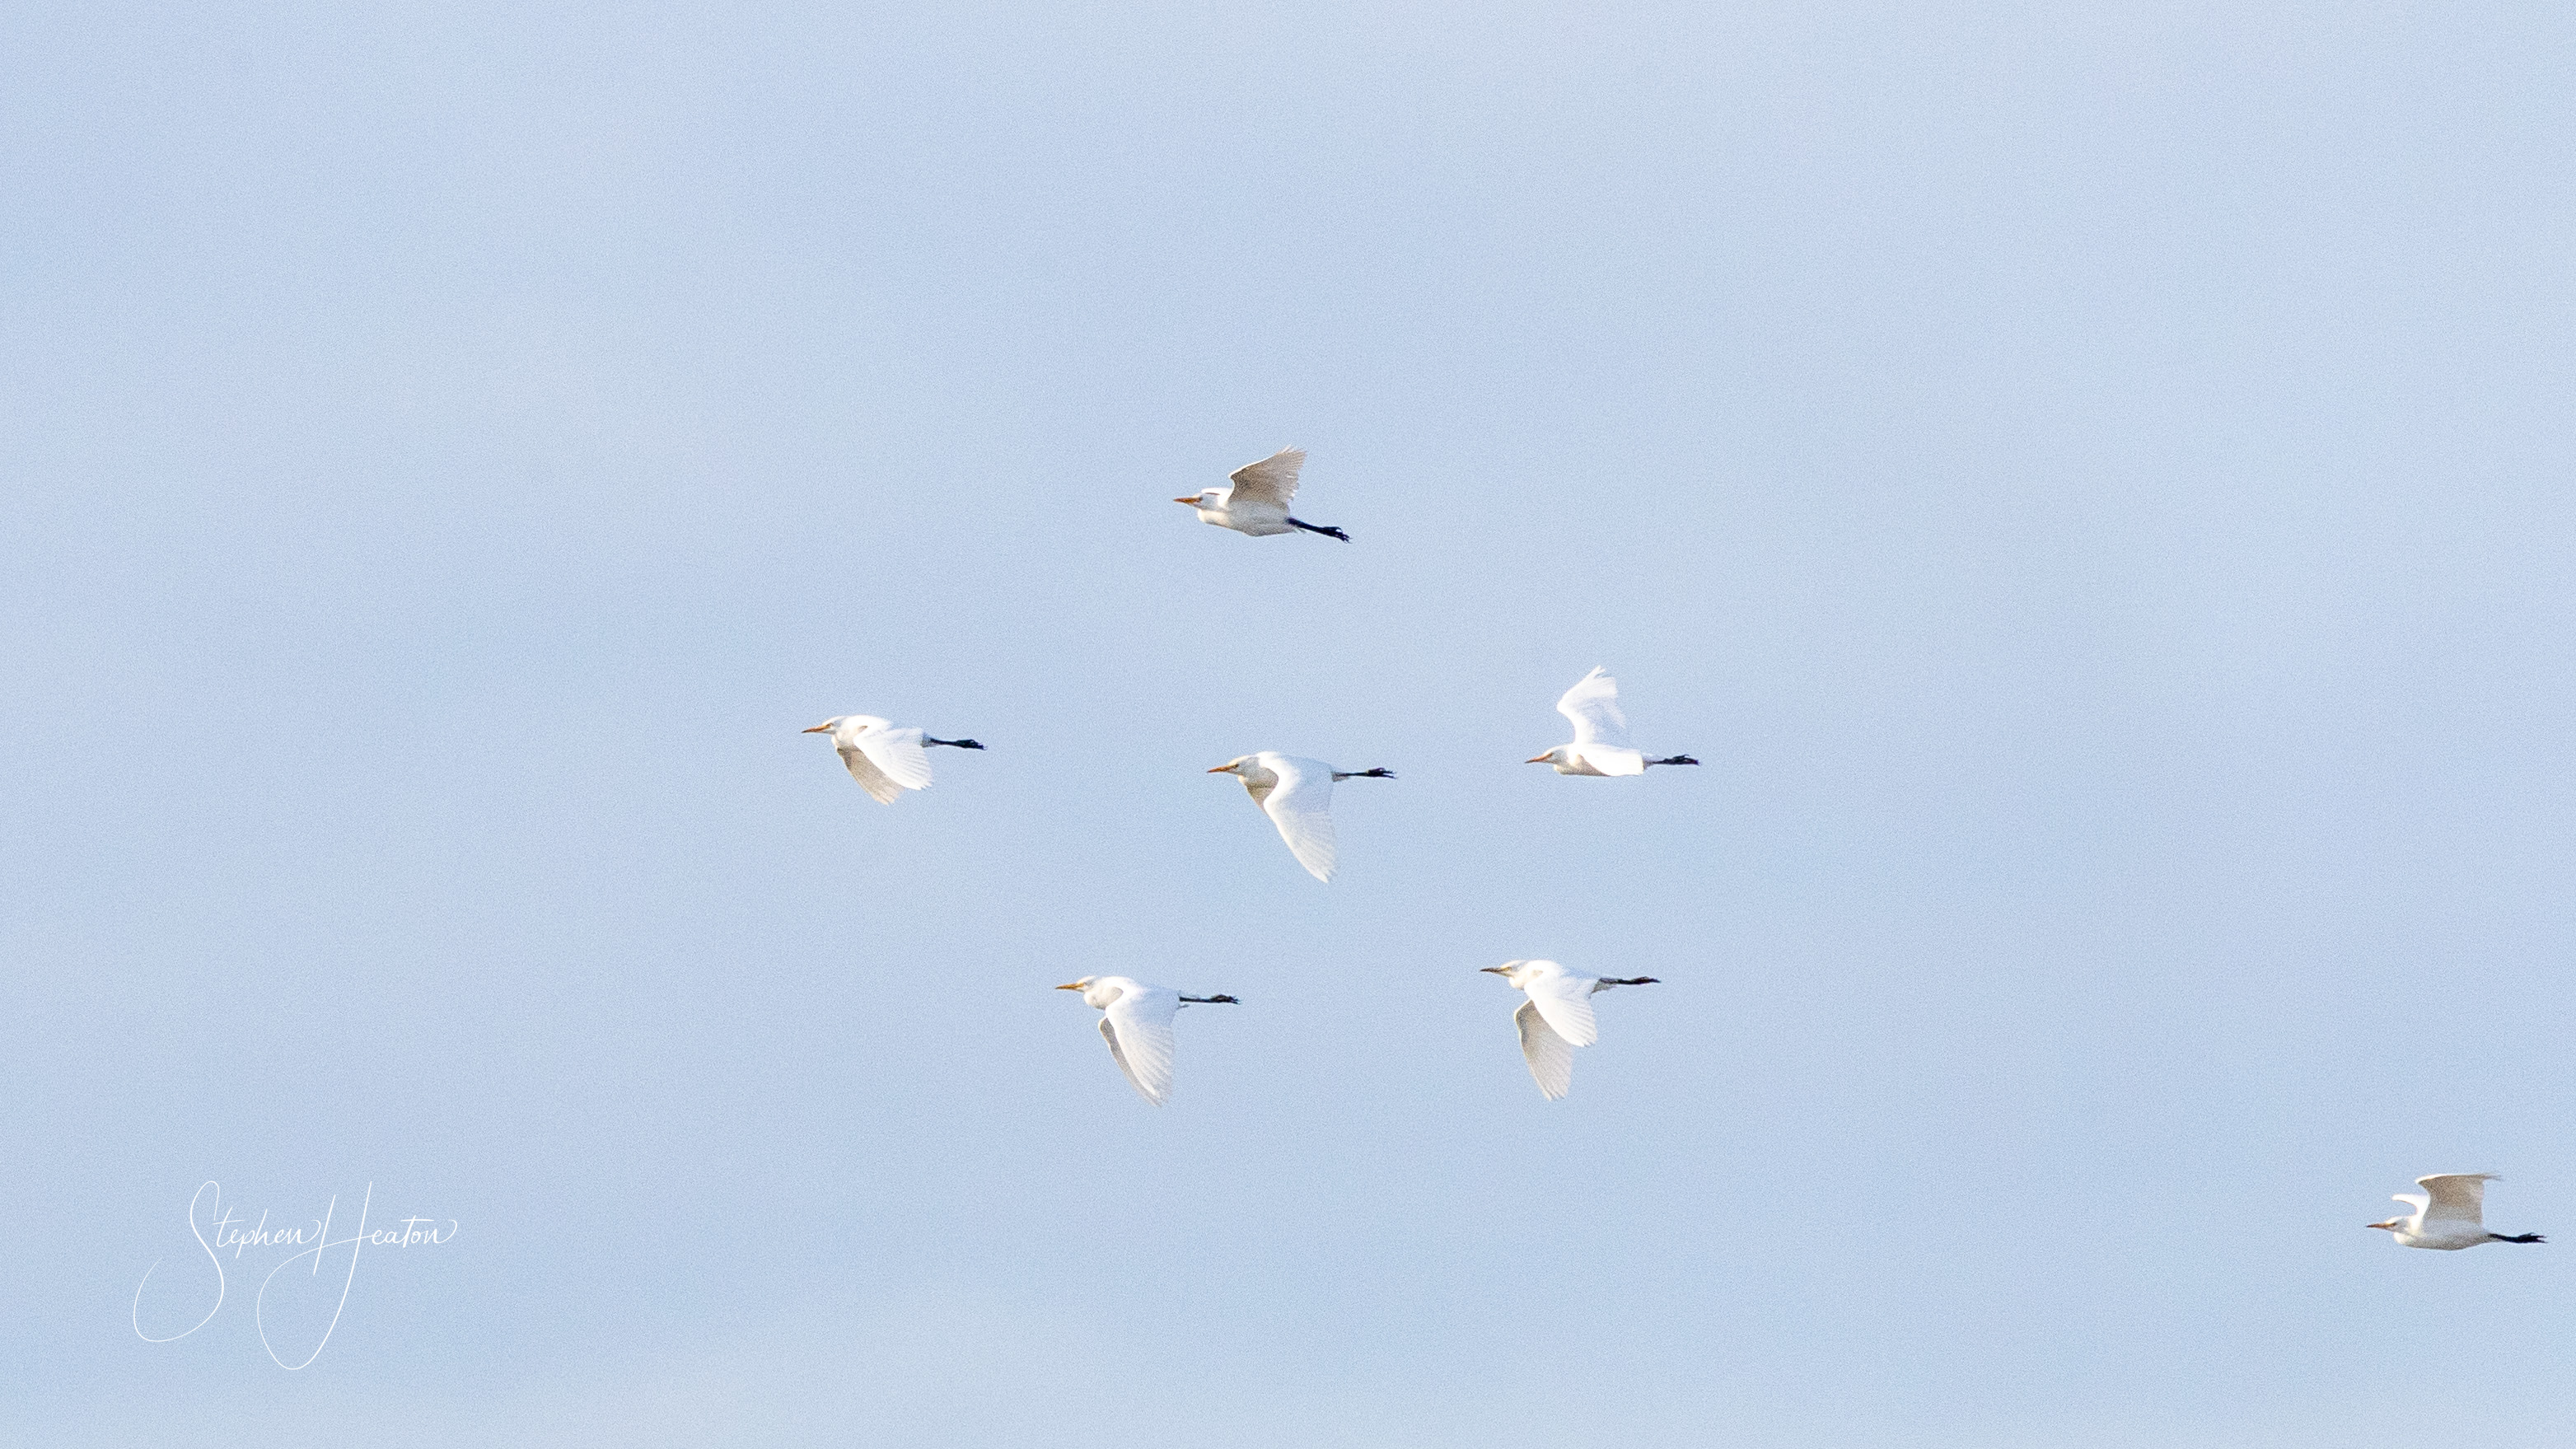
(413, 1232)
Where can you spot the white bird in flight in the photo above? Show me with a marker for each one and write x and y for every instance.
(2450, 1214)
(1557, 1018)
(1600, 733)
(1136, 1021)
(884, 760)
(1257, 503)
(1297, 795)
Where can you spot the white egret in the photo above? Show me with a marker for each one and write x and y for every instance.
(1297, 795)
(1257, 501)
(1557, 1018)
(1136, 1021)
(1600, 733)
(884, 760)
(2450, 1214)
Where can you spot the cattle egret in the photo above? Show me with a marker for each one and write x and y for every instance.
(1297, 795)
(2450, 1214)
(1557, 1018)
(1600, 733)
(1257, 503)
(884, 760)
(1136, 1021)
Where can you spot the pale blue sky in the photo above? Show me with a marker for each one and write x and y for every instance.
(2092, 487)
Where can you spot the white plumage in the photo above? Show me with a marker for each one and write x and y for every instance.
(1257, 498)
(1136, 1021)
(885, 760)
(1556, 1018)
(1600, 733)
(2449, 1214)
(1297, 795)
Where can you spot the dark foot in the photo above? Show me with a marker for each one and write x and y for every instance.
(953, 744)
(1380, 773)
(1317, 528)
(1675, 760)
(2524, 1238)
(1212, 1000)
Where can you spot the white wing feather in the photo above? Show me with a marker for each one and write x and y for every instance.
(1566, 1002)
(2456, 1196)
(1551, 1061)
(1138, 1028)
(1593, 705)
(899, 756)
(1273, 480)
(1301, 805)
(870, 778)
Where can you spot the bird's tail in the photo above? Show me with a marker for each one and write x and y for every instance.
(1319, 528)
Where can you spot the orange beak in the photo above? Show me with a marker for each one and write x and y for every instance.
(1070, 986)
(1535, 760)
(817, 730)
(1190, 501)
(1221, 770)
(1497, 970)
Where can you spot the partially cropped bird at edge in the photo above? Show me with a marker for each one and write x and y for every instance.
(1136, 1021)
(1557, 1018)
(2450, 1214)
(1600, 733)
(886, 761)
(1297, 795)
(1256, 503)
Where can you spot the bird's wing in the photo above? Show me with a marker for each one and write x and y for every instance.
(2456, 1196)
(1551, 1061)
(1301, 805)
(1273, 480)
(1593, 705)
(898, 755)
(870, 778)
(1138, 1028)
(1566, 1002)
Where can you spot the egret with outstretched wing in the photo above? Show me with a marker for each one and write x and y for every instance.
(1556, 1018)
(2449, 1214)
(1136, 1021)
(1600, 733)
(1297, 795)
(1256, 499)
(886, 761)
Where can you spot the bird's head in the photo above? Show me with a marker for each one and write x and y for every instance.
(2399, 1225)
(857, 724)
(1553, 757)
(1205, 498)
